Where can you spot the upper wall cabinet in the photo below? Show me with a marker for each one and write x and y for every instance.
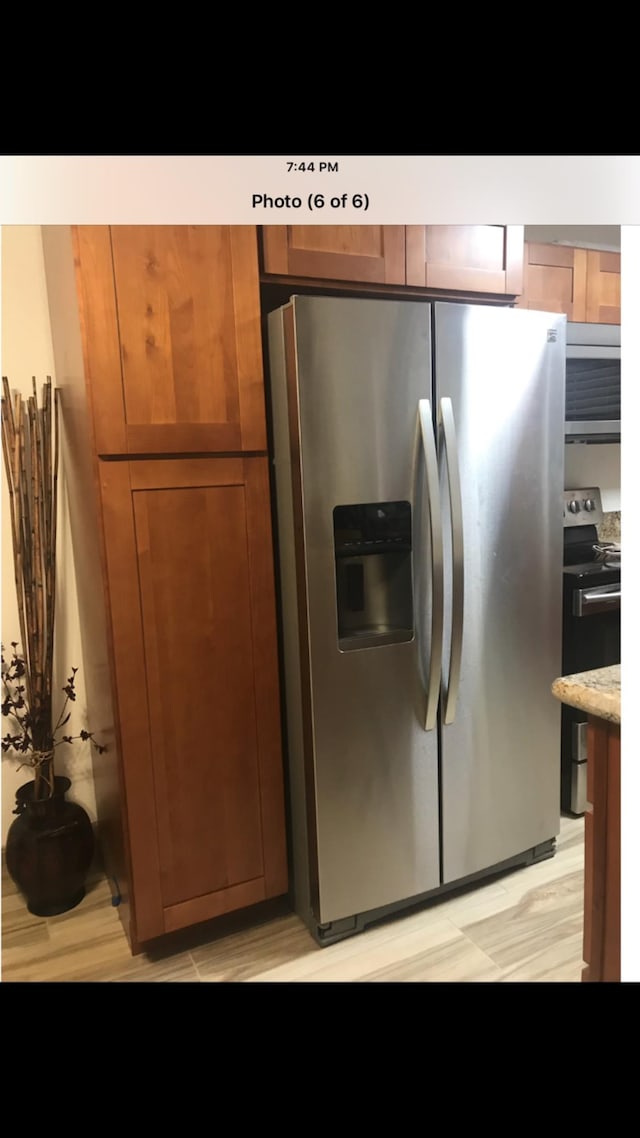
(466, 258)
(171, 323)
(366, 253)
(555, 278)
(582, 283)
(445, 259)
(603, 287)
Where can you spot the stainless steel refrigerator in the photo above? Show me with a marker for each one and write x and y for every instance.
(418, 452)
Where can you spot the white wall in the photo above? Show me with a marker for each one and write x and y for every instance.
(584, 236)
(26, 350)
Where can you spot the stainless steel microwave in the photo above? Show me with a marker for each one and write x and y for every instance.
(592, 401)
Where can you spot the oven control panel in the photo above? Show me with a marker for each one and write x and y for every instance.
(582, 507)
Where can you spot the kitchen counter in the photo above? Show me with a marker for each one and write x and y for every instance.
(596, 692)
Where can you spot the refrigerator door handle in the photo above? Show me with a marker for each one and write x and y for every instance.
(447, 422)
(437, 563)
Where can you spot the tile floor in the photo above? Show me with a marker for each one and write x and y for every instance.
(525, 925)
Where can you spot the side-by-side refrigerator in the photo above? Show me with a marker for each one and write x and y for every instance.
(418, 453)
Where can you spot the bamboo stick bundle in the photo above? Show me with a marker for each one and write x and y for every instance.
(30, 450)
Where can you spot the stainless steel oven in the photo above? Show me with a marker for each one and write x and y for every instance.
(591, 626)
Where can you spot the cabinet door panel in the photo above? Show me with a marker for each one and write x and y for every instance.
(194, 585)
(602, 853)
(205, 793)
(466, 258)
(603, 287)
(612, 931)
(174, 353)
(367, 253)
(555, 280)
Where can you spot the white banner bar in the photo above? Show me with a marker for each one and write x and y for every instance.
(320, 189)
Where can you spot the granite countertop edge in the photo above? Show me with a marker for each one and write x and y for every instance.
(597, 692)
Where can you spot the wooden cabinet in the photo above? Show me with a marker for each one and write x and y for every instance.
(466, 258)
(601, 949)
(190, 568)
(583, 283)
(365, 253)
(172, 337)
(555, 279)
(158, 352)
(444, 259)
(603, 287)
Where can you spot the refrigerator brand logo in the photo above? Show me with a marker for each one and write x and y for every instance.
(552, 335)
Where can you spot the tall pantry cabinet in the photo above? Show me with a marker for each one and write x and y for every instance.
(169, 325)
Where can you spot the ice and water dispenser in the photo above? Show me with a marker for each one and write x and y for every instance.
(372, 547)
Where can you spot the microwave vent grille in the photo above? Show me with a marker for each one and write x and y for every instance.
(592, 390)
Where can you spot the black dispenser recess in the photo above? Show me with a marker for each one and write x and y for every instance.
(374, 596)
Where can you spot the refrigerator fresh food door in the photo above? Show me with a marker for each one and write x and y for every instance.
(356, 371)
(499, 399)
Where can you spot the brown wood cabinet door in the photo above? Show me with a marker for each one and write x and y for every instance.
(612, 931)
(601, 938)
(190, 574)
(172, 344)
(367, 253)
(466, 258)
(555, 279)
(603, 287)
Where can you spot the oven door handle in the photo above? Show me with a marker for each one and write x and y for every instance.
(588, 602)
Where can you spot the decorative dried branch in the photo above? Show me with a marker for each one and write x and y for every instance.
(30, 450)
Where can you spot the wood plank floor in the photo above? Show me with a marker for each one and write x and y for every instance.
(525, 925)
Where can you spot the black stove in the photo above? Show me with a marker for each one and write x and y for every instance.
(585, 558)
(590, 625)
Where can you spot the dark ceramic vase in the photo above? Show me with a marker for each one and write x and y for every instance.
(50, 848)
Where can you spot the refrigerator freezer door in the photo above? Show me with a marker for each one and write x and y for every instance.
(503, 371)
(355, 373)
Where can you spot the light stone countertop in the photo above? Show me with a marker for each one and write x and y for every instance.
(596, 692)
